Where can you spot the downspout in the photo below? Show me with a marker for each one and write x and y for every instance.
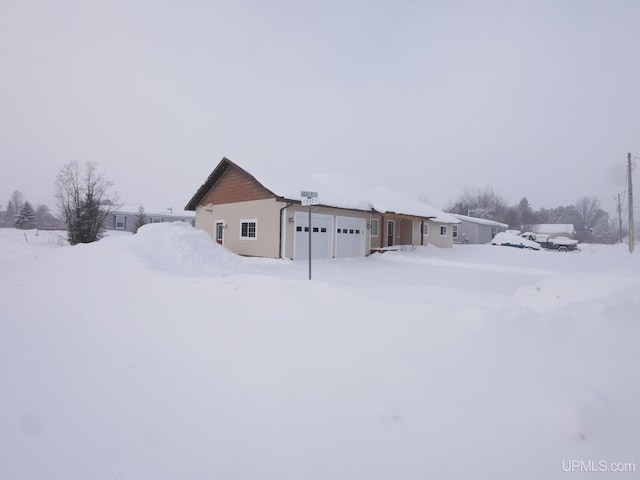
(280, 242)
(422, 232)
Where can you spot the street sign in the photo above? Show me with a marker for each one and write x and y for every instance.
(309, 198)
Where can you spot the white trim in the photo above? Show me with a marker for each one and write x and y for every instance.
(454, 231)
(215, 230)
(123, 223)
(385, 240)
(283, 232)
(247, 221)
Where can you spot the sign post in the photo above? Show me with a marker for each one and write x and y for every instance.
(309, 198)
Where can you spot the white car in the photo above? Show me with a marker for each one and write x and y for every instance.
(511, 240)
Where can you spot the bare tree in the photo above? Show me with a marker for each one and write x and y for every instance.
(590, 218)
(482, 203)
(17, 199)
(84, 201)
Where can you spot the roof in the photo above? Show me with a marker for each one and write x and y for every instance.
(334, 190)
(553, 228)
(479, 221)
(157, 212)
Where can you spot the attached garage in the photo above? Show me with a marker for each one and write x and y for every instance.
(321, 236)
(350, 237)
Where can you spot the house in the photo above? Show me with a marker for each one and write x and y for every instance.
(554, 229)
(477, 230)
(262, 215)
(124, 218)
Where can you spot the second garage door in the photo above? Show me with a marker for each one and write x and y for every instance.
(350, 237)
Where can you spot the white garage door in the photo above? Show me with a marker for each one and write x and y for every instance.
(350, 237)
(320, 236)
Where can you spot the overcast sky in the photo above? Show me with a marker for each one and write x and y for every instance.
(534, 98)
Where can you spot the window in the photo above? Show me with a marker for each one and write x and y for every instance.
(454, 231)
(425, 229)
(248, 229)
(323, 230)
(155, 220)
(374, 227)
(443, 230)
(120, 221)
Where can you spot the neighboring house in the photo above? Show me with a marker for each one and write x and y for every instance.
(263, 216)
(477, 230)
(124, 218)
(554, 229)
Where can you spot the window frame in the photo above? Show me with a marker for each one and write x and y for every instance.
(454, 231)
(443, 228)
(425, 229)
(249, 221)
(120, 225)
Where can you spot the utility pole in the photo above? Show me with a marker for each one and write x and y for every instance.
(620, 216)
(630, 186)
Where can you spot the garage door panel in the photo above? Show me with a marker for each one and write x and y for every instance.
(320, 236)
(350, 237)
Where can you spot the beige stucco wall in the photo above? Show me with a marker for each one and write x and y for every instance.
(265, 212)
(375, 242)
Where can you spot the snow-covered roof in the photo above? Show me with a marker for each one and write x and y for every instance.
(151, 212)
(335, 190)
(553, 228)
(479, 221)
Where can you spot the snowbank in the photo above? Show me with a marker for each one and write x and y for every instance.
(472, 362)
(179, 248)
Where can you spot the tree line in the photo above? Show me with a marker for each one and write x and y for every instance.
(20, 213)
(83, 197)
(591, 223)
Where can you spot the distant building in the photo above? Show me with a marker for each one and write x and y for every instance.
(124, 218)
(477, 230)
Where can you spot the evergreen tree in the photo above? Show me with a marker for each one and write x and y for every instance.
(9, 219)
(27, 217)
(527, 216)
(141, 220)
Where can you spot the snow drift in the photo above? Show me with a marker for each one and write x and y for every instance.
(147, 356)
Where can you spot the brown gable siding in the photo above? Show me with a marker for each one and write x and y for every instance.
(235, 185)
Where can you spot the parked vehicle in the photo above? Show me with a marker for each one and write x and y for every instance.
(512, 240)
(562, 244)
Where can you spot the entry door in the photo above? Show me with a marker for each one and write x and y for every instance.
(390, 232)
(219, 232)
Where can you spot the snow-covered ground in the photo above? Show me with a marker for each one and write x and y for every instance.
(163, 356)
